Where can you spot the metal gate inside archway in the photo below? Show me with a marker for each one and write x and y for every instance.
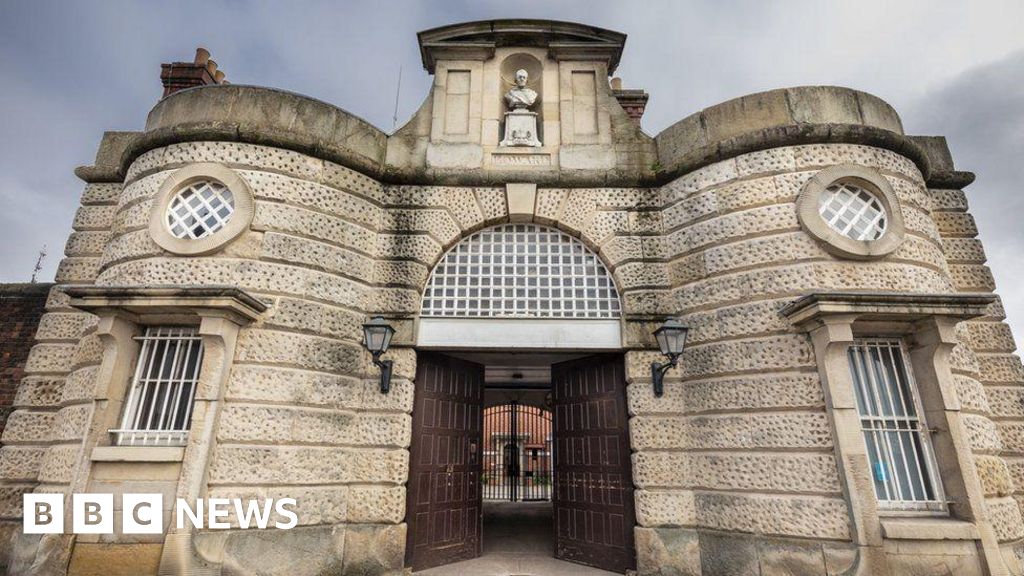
(517, 453)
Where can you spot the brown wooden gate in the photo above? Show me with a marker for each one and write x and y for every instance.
(443, 507)
(594, 509)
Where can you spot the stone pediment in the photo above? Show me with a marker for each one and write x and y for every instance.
(478, 40)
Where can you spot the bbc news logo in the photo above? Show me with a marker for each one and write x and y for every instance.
(144, 513)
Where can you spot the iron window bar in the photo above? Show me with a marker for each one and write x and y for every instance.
(903, 467)
(158, 410)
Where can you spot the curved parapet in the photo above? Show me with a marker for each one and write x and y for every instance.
(256, 115)
(783, 117)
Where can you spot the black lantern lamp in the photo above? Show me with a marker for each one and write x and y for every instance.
(377, 335)
(671, 338)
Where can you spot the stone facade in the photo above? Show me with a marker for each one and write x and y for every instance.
(744, 466)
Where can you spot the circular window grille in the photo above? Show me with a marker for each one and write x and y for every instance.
(521, 270)
(200, 209)
(852, 211)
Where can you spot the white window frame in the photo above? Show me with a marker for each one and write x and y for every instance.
(142, 424)
(880, 427)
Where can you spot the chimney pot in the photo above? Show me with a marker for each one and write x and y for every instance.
(616, 83)
(211, 67)
(202, 71)
(219, 77)
(202, 56)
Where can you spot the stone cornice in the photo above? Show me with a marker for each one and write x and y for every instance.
(903, 306)
(240, 306)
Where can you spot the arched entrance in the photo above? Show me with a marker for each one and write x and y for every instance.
(520, 320)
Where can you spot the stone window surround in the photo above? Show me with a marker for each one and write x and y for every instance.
(220, 312)
(831, 239)
(927, 323)
(239, 222)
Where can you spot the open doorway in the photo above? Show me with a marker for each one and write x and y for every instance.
(519, 462)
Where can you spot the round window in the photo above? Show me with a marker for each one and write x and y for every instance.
(852, 211)
(200, 209)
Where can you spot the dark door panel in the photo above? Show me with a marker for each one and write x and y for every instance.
(593, 497)
(443, 501)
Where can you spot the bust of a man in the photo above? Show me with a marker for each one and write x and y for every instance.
(520, 97)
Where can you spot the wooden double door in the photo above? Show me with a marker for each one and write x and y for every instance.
(593, 487)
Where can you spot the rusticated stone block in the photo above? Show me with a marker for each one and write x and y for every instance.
(438, 224)
(20, 463)
(316, 255)
(373, 549)
(493, 204)
(86, 243)
(376, 504)
(29, 427)
(803, 473)
(407, 273)
(313, 504)
(74, 270)
(301, 551)
(73, 422)
(1005, 515)
(94, 218)
(307, 465)
(39, 391)
(972, 278)
(766, 162)
(1006, 401)
(101, 193)
(303, 222)
(665, 508)
(948, 200)
(673, 551)
(989, 337)
(129, 246)
(59, 463)
(290, 349)
(811, 517)
(785, 430)
(973, 396)
(955, 224)
(1000, 368)
(762, 220)
(982, 433)
(64, 326)
(277, 187)
(300, 387)
(419, 247)
(994, 476)
(80, 385)
(788, 351)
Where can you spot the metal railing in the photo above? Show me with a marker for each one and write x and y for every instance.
(517, 453)
(158, 409)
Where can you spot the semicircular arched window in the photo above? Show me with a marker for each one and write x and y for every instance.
(520, 271)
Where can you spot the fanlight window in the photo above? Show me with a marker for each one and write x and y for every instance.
(521, 270)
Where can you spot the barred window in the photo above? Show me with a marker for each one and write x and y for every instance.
(902, 464)
(521, 270)
(852, 211)
(158, 409)
(200, 209)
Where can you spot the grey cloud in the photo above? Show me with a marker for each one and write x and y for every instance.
(73, 69)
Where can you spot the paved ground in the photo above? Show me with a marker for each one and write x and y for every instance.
(519, 540)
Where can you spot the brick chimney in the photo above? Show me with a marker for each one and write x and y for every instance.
(200, 72)
(633, 101)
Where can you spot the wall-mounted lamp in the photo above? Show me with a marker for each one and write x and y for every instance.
(671, 338)
(377, 335)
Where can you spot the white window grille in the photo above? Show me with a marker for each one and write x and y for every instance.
(200, 209)
(159, 405)
(521, 270)
(852, 211)
(902, 463)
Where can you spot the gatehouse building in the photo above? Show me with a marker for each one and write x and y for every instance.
(264, 297)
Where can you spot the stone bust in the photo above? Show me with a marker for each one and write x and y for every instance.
(520, 97)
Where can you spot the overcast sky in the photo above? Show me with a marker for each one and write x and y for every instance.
(70, 70)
